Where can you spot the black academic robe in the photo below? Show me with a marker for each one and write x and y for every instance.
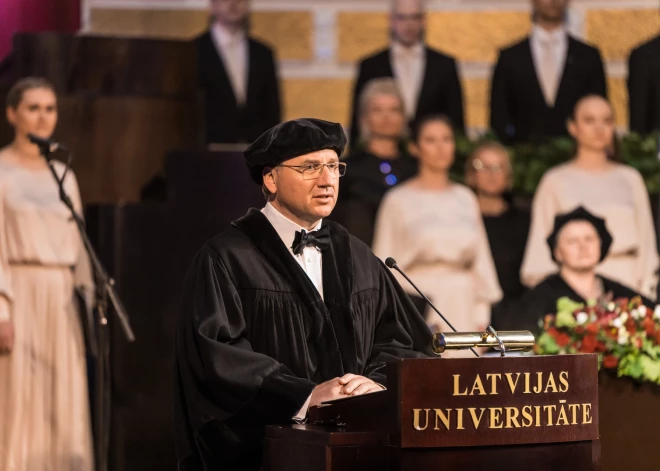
(226, 121)
(542, 299)
(441, 91)
(507, 237)
(644, 87)
(255, 337)
(518, 110)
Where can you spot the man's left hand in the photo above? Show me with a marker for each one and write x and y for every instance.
(354, 385)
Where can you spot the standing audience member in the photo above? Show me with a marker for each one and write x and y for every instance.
(44, 408)
(488, 172)
(428, 79)
(597, 180)
(538, 81)
(433, 228)
(239, 76)
(644, 87)
(380, 164)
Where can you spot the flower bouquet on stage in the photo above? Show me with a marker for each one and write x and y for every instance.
(626, 336)
(623, 332)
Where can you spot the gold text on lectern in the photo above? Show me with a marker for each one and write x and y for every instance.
(556, 412)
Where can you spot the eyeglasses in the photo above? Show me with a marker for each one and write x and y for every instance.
(479, 166)
(311, 171)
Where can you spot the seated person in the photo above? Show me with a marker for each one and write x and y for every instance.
(578, 243)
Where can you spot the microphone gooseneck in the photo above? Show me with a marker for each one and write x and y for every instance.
(391, 264)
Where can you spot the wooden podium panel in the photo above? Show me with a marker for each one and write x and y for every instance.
(515, 413)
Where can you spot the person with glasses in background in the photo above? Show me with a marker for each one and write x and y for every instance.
(488, 172)
(433, 228)
(380, 163)
(427, 78)
(284, 310)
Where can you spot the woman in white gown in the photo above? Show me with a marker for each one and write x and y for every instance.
(434, 230)
(597, 180)
(44, 410)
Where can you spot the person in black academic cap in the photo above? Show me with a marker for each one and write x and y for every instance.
(578, 243)
(283, 310)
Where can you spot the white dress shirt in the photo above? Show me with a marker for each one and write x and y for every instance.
(549, 51)
(233, 50)
(310, 261)
(408, 65)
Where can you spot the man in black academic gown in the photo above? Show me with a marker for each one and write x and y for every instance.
(238, 75)
(284, 310)
(427, 79)
(644, 87)
(538, 81)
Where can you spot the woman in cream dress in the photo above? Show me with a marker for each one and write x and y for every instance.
(610, 190)
(434, 230)
(44, 410)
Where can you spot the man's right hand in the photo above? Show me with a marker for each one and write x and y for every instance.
(6, 337)
(327, 391)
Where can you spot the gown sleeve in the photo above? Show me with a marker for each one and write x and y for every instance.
(6, 294)
(537, 261)
(400, 330)
(225, 391)
(647, 256)
(82, 271)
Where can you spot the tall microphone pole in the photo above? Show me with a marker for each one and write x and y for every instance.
(104, 289)
(391, 264)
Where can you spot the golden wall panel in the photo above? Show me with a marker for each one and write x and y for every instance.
(616, 32)
(476, 36)
(360, 33)
(618, 94)
(476, 96)
(470, 36)
(171, 24)
(289, 32)
(327, 99)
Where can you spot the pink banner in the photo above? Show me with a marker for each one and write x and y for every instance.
(36, 16)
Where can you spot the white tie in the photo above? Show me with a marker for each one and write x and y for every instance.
(549, 70)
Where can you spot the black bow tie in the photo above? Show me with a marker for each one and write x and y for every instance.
(320, 239)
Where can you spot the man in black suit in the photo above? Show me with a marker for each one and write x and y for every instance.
(538, 81)
(644, 87)
(427, 79)
(238, 75)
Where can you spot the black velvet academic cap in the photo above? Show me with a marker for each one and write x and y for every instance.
(292, 139)
(581, 214)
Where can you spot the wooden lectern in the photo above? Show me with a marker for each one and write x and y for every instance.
(511, 413)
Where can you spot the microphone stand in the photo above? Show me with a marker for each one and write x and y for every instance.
(104, 290)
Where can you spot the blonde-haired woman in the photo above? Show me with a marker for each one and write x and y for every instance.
(616, 192)
(489, 173)
(44, 410)
(380, 163)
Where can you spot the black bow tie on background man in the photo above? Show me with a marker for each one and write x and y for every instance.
(319, 239)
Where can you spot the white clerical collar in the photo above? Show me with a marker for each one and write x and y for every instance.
(284, 226)
(399, 49)
(541, 34)
(225, 37)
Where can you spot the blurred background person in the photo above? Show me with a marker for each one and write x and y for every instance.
(433, 228)
(44, 402)
(238, 75)
(379, 164)
(644, 87)
(537, 82)
(489, 173)
(428, 79)
(578, 243)
(597, 180)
